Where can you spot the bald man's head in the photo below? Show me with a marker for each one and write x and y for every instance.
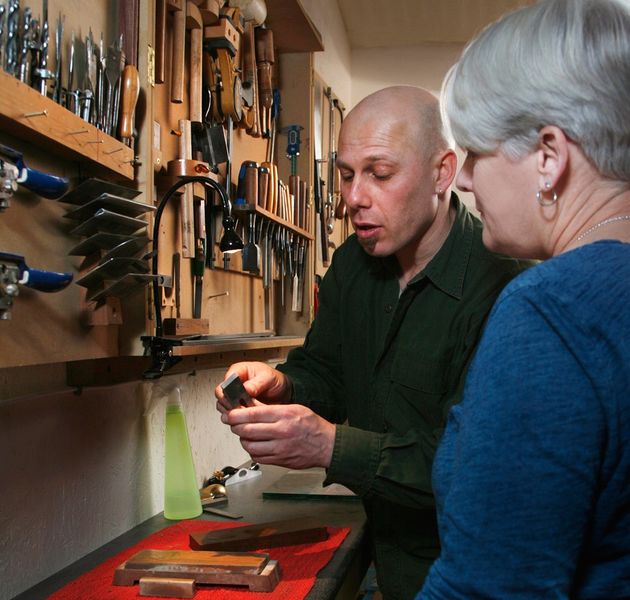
(413, 110)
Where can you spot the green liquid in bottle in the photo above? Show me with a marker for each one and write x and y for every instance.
(181, 494)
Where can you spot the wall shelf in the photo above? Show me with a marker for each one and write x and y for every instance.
(110, 371)
(25, 113)
(246, 209)
(293, 30)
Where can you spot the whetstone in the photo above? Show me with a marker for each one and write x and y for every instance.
(167, 588)
(288, 532)
(255, 571)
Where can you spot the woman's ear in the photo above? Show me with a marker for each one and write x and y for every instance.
(552, 156)
(446, 170)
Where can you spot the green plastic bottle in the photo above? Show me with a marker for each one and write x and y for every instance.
(181, 494)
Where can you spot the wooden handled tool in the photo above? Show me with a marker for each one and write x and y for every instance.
(130, 91)
(223, 40)
(251, 117)
(160, 40)
(304, 224)
(194, 24)
(178, 64)
(210, 11)
(251, 183)
(264, 62)
(271, 186)
(294, 190)
(263, 187)
(186, 212)
(128, 27)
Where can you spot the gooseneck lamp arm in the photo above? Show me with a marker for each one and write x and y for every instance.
(230, 241)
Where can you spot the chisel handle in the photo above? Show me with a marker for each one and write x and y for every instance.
(251, 184)
(160, 40)
(263, 187)
(130, 91)
(264, 60)
(178, 64)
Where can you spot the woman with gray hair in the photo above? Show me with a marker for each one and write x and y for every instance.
(532, 478)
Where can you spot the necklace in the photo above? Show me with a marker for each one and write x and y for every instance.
(601, 224)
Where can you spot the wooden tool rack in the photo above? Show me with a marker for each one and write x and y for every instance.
(101, 344)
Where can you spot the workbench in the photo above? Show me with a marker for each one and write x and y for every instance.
(340, 578)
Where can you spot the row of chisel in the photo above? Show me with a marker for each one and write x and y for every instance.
(91, 82)
(259, 185)
(274, 251)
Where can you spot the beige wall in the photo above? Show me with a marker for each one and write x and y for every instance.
(334, 64)
(80, 468)
(424, 66)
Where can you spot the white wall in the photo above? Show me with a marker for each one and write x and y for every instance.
(423, 66)
(77, 470)
(334, 64)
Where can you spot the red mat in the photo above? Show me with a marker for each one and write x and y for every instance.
(300, 564)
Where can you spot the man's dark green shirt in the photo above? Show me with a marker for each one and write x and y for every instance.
(386, 365)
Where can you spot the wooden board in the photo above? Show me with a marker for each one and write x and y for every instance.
(286, 532)
(255, 571)
(167, 588)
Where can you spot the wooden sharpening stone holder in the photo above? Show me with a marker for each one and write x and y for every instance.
(287, 532)
(175, 573)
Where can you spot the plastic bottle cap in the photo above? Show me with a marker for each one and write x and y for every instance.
(174, 398)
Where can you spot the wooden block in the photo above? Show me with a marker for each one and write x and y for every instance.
(185, 168)
(167, 588)
(186, 326)
(109, 313)
(255, 571)
(288, 532)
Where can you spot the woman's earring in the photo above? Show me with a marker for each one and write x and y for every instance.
(542, 201)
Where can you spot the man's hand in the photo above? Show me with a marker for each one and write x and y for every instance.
(288, 435)
(260, 381)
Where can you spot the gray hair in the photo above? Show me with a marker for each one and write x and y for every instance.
(559, 62)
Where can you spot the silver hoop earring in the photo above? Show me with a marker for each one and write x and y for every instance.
(543, 202)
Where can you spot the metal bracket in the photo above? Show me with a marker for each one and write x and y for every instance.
(243, 475)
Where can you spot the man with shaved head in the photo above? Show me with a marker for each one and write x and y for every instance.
(401, 309)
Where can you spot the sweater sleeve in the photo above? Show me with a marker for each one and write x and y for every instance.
(517, 472)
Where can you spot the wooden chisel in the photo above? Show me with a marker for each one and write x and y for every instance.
(160, 40)
(194, 24)
(304, 224)
(264, 63)
(128, 101)
(178, 60)
(199, 260)
(263, 186)
(186, 202)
